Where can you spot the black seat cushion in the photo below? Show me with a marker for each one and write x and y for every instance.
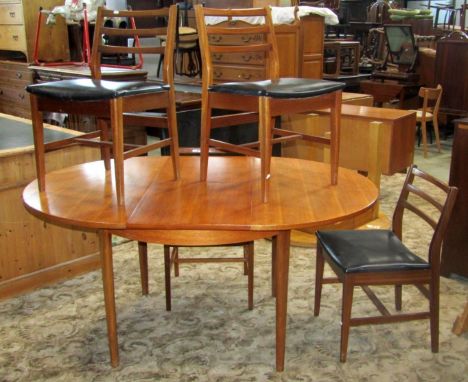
(85, 89)
(281, 88)
(369, 251)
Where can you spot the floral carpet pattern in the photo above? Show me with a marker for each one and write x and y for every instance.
(58, 333)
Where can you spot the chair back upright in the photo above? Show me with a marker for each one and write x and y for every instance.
(165, 26)
(431, 100)
(239, 36)
(423, 198)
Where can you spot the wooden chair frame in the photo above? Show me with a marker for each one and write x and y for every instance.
(419, 278)
(247, 108)
(113, 112)
(430, 94)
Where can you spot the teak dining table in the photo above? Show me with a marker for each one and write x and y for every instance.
(226, 209)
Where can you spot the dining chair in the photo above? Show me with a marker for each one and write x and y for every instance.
(429, 113)
(241, 36)
(110, 101)
(172, 259)
(379, 257)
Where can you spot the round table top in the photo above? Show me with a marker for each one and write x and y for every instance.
(300, 195)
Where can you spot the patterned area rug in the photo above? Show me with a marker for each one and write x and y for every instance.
(58, 333)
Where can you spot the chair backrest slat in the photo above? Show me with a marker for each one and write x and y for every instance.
(112, 39)
(421, 200)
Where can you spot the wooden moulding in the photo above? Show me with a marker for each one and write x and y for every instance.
(34, 253)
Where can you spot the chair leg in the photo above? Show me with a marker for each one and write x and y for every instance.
(175, 260)
(167, 275)
(116, 121)
(103, 126)
(205, 132)
(173, 134)
(273, 266)
(143, 256)
(335, 113)
(398, 290)
(264, 135)
(424, 137)
(38, 136)
(347, 303)
(249, 251)
(434, 313)
(435, 124)
(319, 266)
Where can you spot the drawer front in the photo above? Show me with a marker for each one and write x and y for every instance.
(12, 37)
(225, 73)
(235, 39)
(253, 58)
(14, 95)
(9, 73)
(11, 14)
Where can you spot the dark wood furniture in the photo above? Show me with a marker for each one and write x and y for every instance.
(189, 212)
(253, 100)
(455, 248)
(14, 77)
(378, 257)
(451, 54)
(109, 100)
(343, 57)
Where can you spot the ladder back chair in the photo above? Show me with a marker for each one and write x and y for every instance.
(108, 100)
(230, 35)
(379, 257)
(429, 113)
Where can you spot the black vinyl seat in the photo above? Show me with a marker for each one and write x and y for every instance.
(372, 250)
(85, 89)
(280, 88)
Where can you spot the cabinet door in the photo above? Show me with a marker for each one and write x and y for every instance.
(312, 46)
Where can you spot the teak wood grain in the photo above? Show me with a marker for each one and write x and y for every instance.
(301, 196)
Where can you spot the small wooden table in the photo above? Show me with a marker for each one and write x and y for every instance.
(225, 209)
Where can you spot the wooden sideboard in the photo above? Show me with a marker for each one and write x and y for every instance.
(398, 137)
(34, 253)
(18, 20)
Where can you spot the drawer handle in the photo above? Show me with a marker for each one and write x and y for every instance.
(245, 76)
(19, 75)
(15, 37)
(217, 56)
(217, 74)
(21, 96)
(247, 58)
(216, 38)
(12, 14)
(246, 38)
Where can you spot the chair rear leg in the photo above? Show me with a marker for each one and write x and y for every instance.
(249, 248)
(435, 124)
(273, 266)
(319, 266)
(38, 136)
(167, 275)
(398, 295)
(205, 133)
(143, 256)
(347, 303)
(434, 313)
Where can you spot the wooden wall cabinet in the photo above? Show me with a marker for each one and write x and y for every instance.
(18, 21)
(311, 46)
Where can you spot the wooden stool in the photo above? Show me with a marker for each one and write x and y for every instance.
(341, 50)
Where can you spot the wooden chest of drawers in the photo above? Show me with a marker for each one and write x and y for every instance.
(18, 21)
(14, 76)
